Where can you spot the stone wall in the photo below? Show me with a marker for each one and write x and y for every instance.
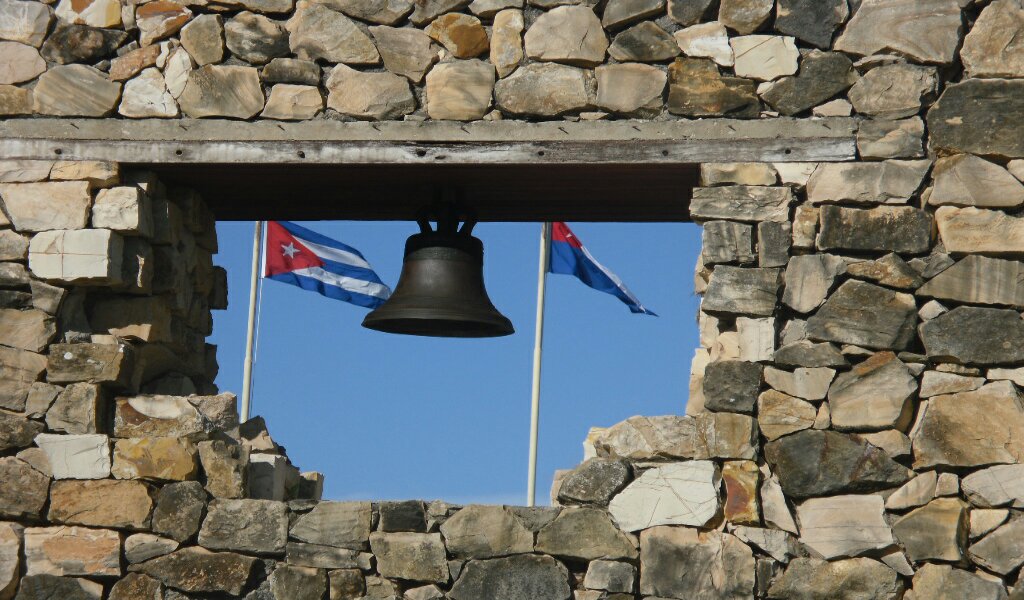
(854, 431)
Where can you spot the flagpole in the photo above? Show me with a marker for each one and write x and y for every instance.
(538, 344)
(250, 335)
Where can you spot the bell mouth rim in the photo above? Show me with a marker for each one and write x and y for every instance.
(408, 326)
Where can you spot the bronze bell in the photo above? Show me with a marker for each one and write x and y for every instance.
(440, 292)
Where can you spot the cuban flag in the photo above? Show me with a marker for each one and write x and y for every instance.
(301, 257)
(570, 257)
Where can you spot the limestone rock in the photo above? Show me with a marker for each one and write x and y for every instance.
(1001, 551)
(44, 587)
(937, 383)
(742, 203)
(165, 459)
(974, 230)
(291, 70)
(936, 531)
(477, 532)
(426, 11)
(676, 494)
(141, 547)
(545, 90)
(72, 551)
(160, 19)
(944, 582)
(742, 479)
(806, 353)
(25, 22)
(822, 75)
(137, 587)
(765, 57)
(1000, 485)
(203, 38)
(756, 338)
(255, 526)
(645, 42)
(780, 545)
(300, 583)
(196, 570)
(147, 96)
(568, 34)
(132, 63)
(177, 72)
(347, 584)
(629, 88)
(890, 271)
(81, 44)
(405, 51)
(985, 520)
(917, 492)
(222, 91)
(593, 482)
(734, 290)
(46, 206)
(707, 40)
(879, 138)
(812, 21)
(460, 90)
(848, 579)
(889, 182)
(179, 510)
(966, 180)
(19, 63)
(101, 503)
(732, 386)
(779, 414)
(339, 524)
(30, 330)
(688, 12)
(720, 566)
(737, 173)
(875, 395)
(507, 41)
(75, 90)
(845, 463)
(989, 49)
(24, 491)
(844, 526)
(463, 35)
(317, 32)
(894, 91)
(85, 456)
(697, 89)
(513, 578)
(410, 556)
(255, 38)
(978, 280)
(894, 229)
(374, 96)
(10, 558)
(809, 279)
(293, 102)
(586, 534)
(384, 12)
(923, 33)
(973, 116)
(17, 432)
(865, 315)
(326, 557)
(619, 13)
(707, 435)
(610, 576)
(745, 16)
(975, 336)
(809, 384)
(970, 429)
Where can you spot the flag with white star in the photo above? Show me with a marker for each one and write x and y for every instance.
(314, 262)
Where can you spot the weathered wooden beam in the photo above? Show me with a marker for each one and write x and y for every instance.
(432, 142)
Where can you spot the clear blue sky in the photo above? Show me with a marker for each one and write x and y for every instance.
(400, 417)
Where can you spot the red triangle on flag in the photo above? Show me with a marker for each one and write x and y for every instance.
(285, 253)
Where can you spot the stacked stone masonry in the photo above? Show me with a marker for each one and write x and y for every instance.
(855, 429)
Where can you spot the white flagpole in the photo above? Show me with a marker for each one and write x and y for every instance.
(545, 251)
(250, 335)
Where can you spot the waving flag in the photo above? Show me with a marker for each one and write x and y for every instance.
(317, 263)
(570, 257)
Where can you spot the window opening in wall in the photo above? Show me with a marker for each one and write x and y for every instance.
(407, 417)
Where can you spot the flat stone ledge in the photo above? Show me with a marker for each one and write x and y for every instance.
(510, 142)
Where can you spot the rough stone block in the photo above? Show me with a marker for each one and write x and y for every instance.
(844, 526)
(47, 206)
(411, 556)
(881, 138)
(876, 394)
(44, 587)
(76, 456)
(82, 257)
(72, 552)
(730, 560)
(196, 570)
(338, 524)
(865, 315)
(226, 467)
(732, 386)
(79, 408)
(24, 492)
(884, 229)
(179, 510)
(252, 526)
(512, 578)
(96, 363)
(162, 459)
(727, 242)
(735, 290)
(742, 203)
(140, 547)
(123, 209)
(975, 336)
(934, 532)
(101, 503)
(478, 532)
(11, 535)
